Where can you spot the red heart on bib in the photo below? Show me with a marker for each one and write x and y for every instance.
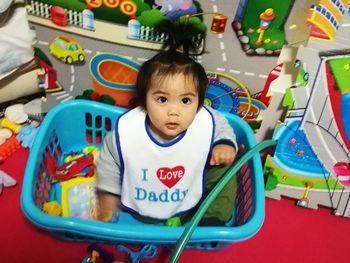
(170, 176)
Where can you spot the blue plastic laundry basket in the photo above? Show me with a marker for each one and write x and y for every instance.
(77, 124)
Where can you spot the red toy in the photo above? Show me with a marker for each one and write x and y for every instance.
(59, 16)
(10, 146)
(82, 166)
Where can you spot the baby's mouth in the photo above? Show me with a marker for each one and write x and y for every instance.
(172, 125)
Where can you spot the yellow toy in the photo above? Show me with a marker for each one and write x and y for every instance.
(52, 208)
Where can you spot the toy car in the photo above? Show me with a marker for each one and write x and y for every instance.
(67, 49)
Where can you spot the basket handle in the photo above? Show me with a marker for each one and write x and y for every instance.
(181, 243)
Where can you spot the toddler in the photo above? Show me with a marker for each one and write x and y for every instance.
(167, 153)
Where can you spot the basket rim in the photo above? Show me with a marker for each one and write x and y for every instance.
(131, 233)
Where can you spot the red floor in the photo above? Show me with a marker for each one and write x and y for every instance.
(289, 234)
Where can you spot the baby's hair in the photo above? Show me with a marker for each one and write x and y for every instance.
(169, 63)
(186, 37)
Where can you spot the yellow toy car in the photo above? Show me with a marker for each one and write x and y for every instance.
(67, 49)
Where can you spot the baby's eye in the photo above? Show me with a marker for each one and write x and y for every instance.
(162, 99)
(186, 100)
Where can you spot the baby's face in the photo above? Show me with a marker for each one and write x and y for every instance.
(171, 104)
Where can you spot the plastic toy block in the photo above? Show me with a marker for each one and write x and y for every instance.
(10, 146)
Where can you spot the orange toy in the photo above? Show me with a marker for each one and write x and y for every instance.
(10, 146)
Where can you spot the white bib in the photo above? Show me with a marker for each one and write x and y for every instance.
(162, 180)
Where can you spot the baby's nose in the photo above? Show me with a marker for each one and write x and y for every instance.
(173, 111)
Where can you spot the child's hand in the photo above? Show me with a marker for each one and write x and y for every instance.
(108, 206)
(222, 154)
